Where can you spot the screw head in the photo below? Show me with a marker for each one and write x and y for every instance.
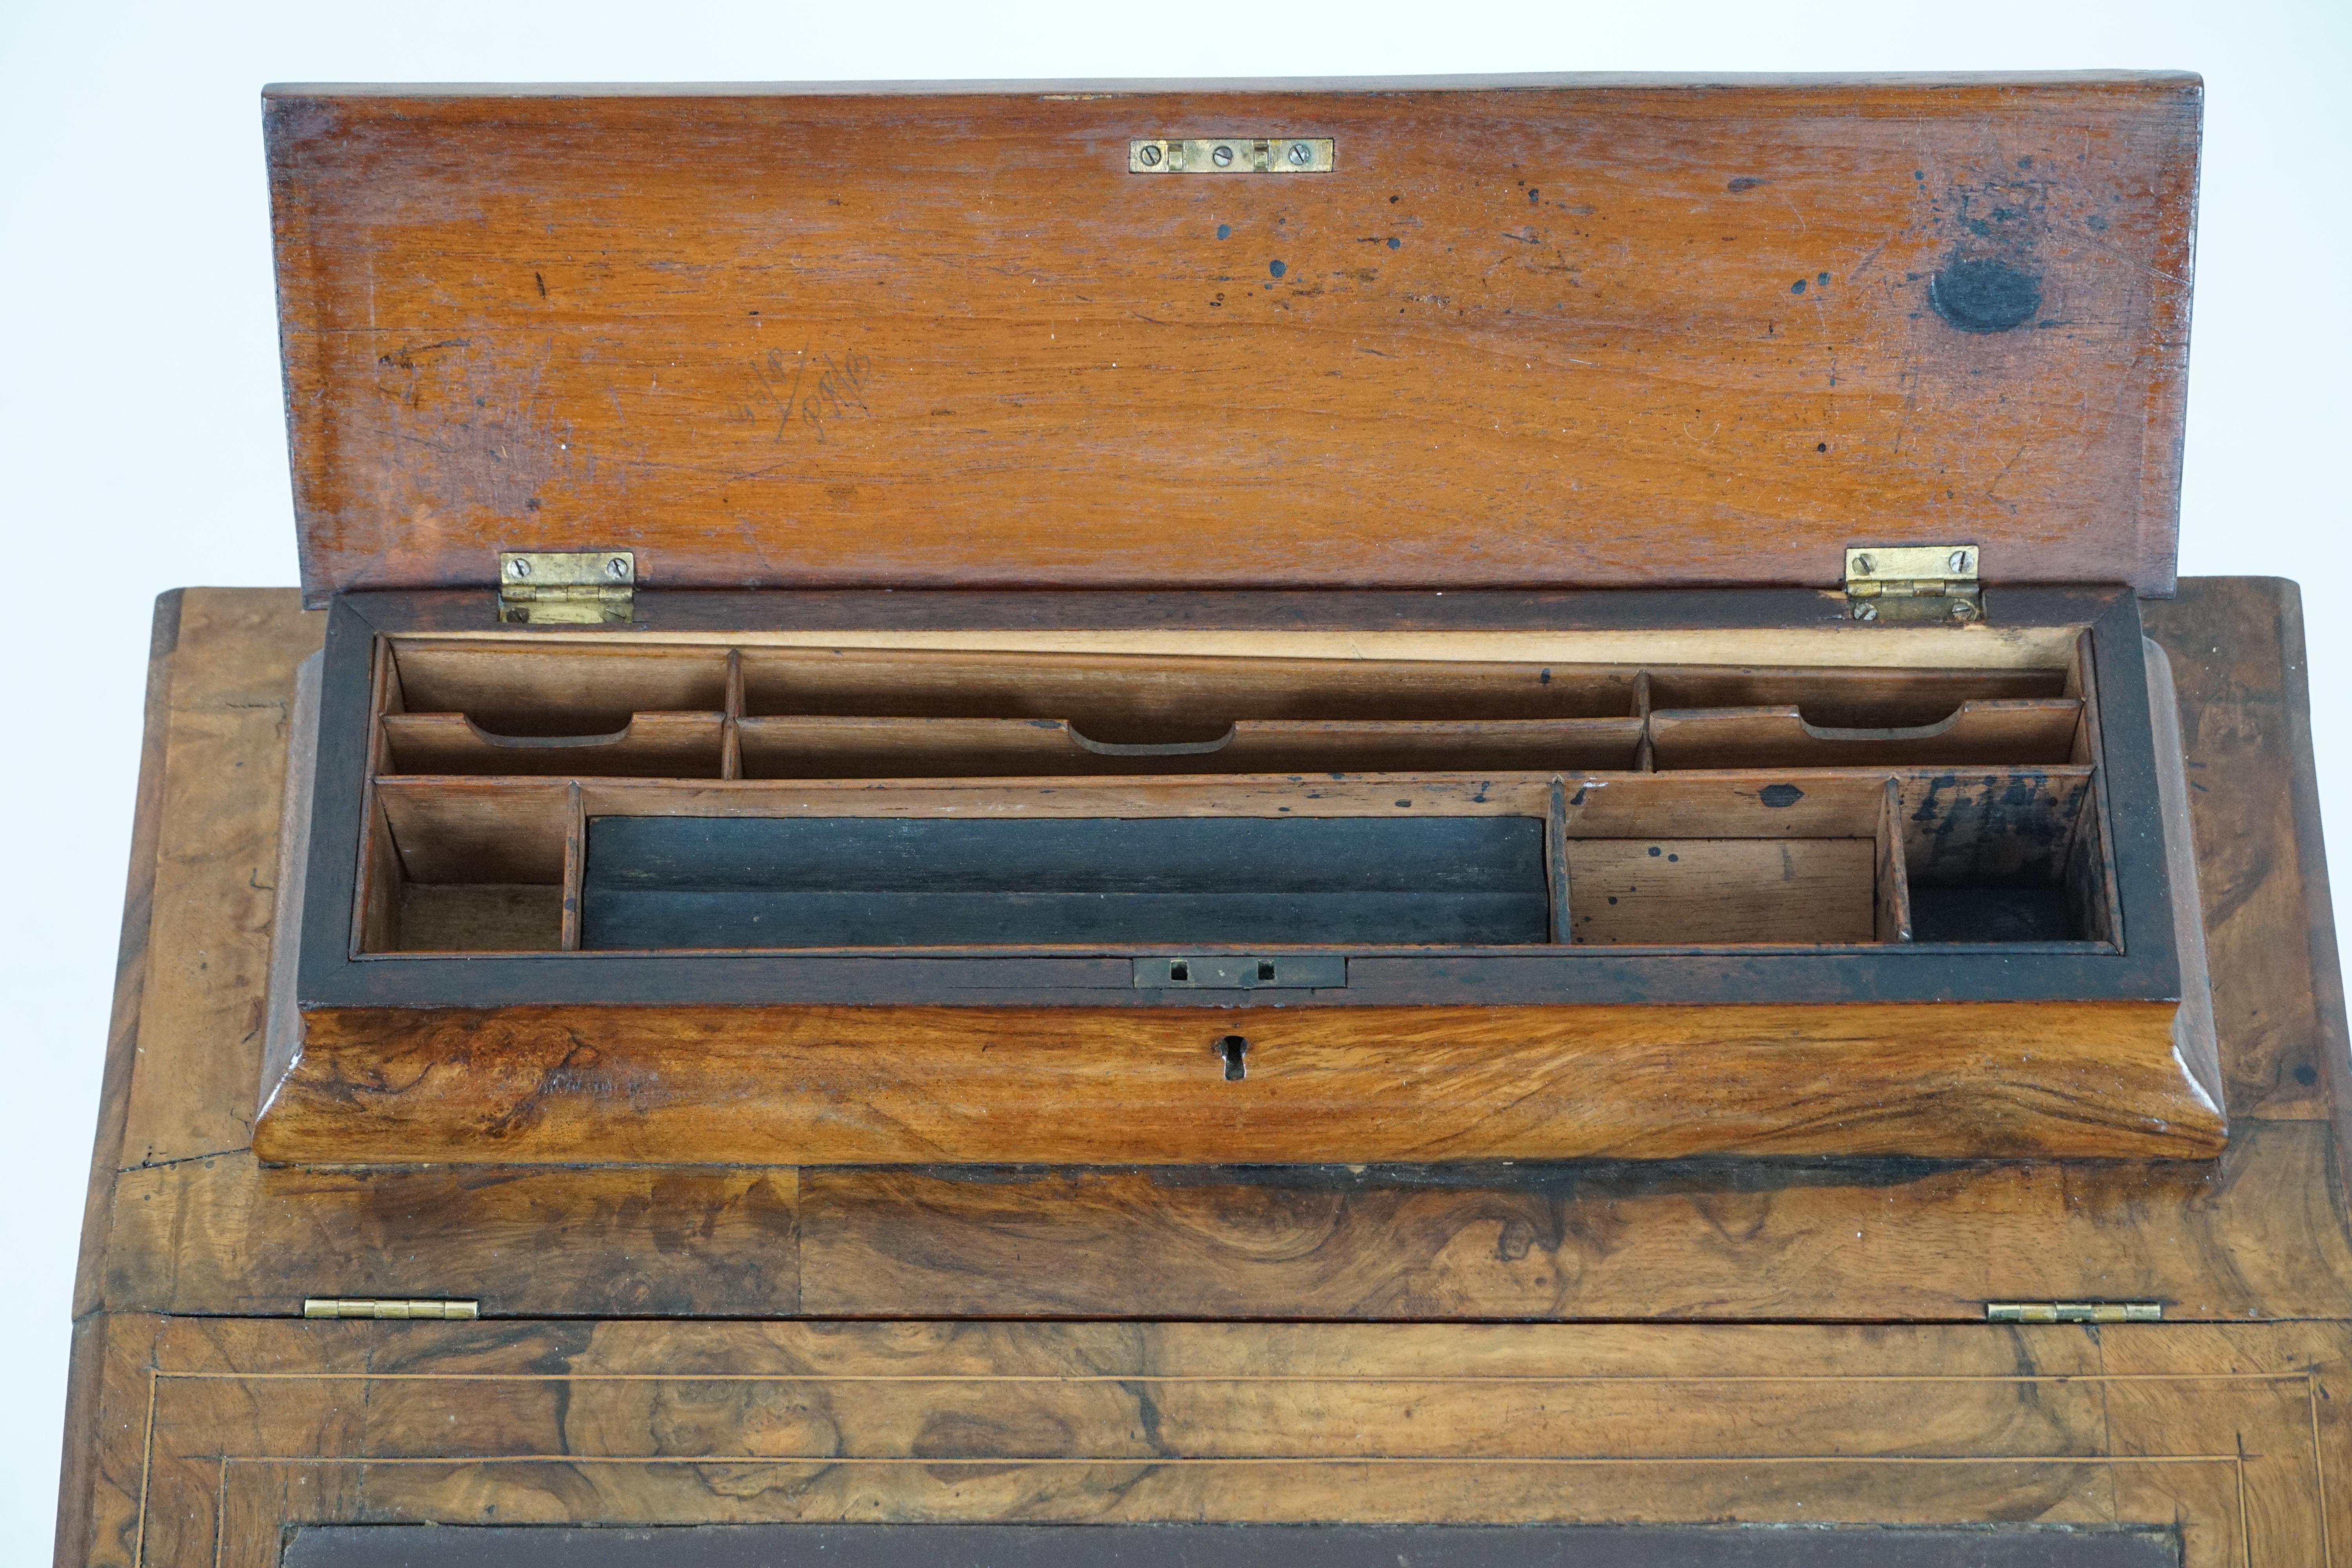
(617, 568)
(1959, 560)
(518, 567)
(1301, 155)
(1148, 155)
(1864, 564)
(1962, 610)
(1865, 612)
(1222, 157)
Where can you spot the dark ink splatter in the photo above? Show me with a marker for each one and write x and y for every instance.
(1225, 231)
(1797, 286)
(1984, 296)
(1394, 243)
(1744, 183)
(1278, 267)
(1780, 794)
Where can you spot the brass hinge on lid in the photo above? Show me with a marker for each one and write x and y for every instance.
(586, 587)
(2074, 1312)
(1230, 155)
(381, 1307)
(1913, 583)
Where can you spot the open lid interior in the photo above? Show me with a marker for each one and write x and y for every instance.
(1568, 332)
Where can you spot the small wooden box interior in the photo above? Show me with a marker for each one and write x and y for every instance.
(1346, 664)
(1675, 804)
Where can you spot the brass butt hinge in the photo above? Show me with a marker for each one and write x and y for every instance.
(381, 1307)
(1230, 155)
(1913, 583)
(571, 588)
(2074, 1312)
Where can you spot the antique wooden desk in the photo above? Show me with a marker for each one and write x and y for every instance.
(1712, 1342)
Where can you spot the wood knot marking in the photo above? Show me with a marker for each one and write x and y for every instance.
(1984, 296)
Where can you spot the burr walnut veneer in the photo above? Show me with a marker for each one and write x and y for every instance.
(1718, 1343)
(979, 839)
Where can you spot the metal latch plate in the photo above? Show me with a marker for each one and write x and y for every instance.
(1914, 583)
(584, 587)
(1243, 972)
(1230, 155)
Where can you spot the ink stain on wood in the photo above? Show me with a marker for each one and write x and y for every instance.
(1984, 296)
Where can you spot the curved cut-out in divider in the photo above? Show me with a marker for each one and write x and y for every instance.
(651, 745)
(1171, 749)
(2004, 733)
(820, 746)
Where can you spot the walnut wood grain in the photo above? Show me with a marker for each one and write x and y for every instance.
(2236, 646)
(181, 1412)
(1100, 1086)
(820, 338)
(2006, 734)
(2258, 1234)
(220, 1433)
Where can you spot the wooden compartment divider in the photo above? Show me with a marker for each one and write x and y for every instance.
(1781, 858)
(1826, 815)
(1977, 733)
(731, 745)
(575, 862)
(824, 746)
(1556, 862)
(1894, 882)
(650, 745)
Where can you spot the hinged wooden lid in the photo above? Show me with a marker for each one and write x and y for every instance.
(1574, 333)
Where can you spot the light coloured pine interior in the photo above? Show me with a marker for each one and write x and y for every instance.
(1784, 803)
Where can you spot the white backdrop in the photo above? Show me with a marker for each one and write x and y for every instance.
(143, 443)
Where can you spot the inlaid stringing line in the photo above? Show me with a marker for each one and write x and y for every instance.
(1354, 1380)
(1155, 1461)
(2319, 1469)
(146, 1466)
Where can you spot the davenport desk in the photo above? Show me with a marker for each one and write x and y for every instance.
(1018, 802)
(1711, 1342)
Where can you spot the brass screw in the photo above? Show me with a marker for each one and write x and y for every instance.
(616, 568)
(1148, 155)
(1223, 157)
(1962, 610)
(1959, 561)
(1862, 564)
(518, 567)
(1865, 612)
(1301, 155)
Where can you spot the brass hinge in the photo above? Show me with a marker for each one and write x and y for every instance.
(2074, 1312)
(381, 1307)
(571, 588)
(1913, 583)
(1230, 155)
